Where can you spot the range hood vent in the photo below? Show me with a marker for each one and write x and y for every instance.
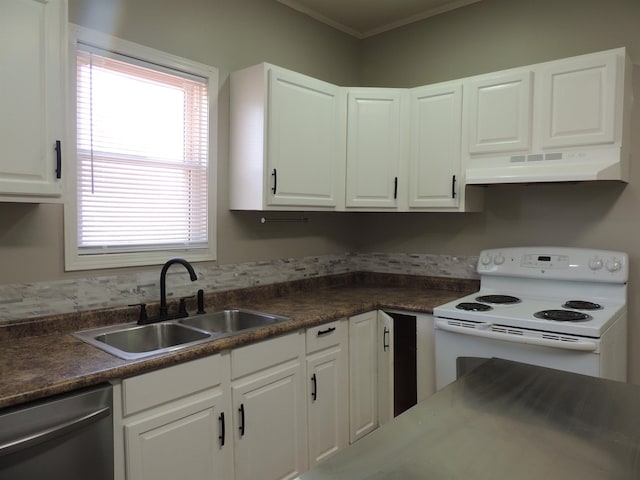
(570, 166)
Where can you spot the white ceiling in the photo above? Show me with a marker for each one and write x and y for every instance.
(364, 18)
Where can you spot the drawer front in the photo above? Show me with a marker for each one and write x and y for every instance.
(162, 386)
(326, 335)
(265, 354)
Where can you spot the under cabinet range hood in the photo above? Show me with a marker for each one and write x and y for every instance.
(560, 121)
(569, 166)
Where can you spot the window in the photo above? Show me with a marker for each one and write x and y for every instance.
(142, 166)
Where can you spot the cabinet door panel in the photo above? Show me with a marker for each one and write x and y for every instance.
(436, 124)
(177, 443)
(373, 147)
(270, 410)
(304, 140)
(578, 101)
(31, 95)
(385, 347)
(499, 113)
(363, 380)
(327, 403)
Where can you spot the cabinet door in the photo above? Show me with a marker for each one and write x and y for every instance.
(180, 442)
(363, 375)
(499, 111)
(374, 146)
(578, 101)
(32, 43)
(436, 129)
(327, 403)
(270, 424)
(384, 350)
(305, 140)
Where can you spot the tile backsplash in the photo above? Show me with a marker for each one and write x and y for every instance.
(31, 300)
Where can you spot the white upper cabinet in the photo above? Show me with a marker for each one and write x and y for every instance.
(499, 112)
(565, 120)
(287, 141)
(577, 101)
(32, 96)
(376, 146)
(435, 161)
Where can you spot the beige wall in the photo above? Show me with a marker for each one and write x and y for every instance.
(228, 34)
(498, 34)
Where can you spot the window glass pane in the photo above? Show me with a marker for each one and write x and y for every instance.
(142, 157)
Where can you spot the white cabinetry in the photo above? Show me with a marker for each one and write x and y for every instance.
(578, 100)
(287, 141)
(32, 98)
(376, 146)
(566, 120)
(268, 395)
(436, 132)
(171, 423)
(371, 373)
(498, 109)
(384, 352)
(328, 390)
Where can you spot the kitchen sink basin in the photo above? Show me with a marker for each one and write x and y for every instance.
(132, 341)
(232, 320)
(137, 341)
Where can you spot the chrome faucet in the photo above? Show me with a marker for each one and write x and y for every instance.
(163, 282)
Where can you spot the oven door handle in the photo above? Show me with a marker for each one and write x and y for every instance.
(485, 332)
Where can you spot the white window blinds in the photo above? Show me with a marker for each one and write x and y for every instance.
(142, 147)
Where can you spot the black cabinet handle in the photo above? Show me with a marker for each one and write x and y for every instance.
(326, 332)
(241, 410)
(453, 187)
(274, 189)
(314, 390)
(222, 429)
(58, 159)
(395, 188)
(385, 339)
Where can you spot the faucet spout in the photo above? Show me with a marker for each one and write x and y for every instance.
(163, 281)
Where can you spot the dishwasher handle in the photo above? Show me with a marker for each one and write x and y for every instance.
(485, 331)
(27, 441)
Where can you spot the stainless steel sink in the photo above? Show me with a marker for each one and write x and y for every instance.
(232, 320)
(134, 341)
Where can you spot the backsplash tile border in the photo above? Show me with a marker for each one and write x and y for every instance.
(25, 301)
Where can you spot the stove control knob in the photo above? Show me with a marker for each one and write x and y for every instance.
(596, 263)
(485, 260)
(499, 260)
(614, 265)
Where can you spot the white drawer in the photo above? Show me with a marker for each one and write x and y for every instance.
(326, 335)
(264, 354)
(168, 384)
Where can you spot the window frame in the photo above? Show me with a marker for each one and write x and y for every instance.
(74, 259)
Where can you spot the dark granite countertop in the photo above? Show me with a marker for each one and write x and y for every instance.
(40, 358)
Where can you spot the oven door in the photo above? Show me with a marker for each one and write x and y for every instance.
(455, 340)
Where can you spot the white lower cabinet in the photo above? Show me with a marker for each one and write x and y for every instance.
(172, 423)
(269, 414)
(370, 373)
(328, 390)
(268, 410)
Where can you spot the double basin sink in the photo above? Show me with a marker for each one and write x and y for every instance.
(133, 341)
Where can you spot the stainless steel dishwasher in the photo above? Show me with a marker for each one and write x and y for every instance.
(66, 437)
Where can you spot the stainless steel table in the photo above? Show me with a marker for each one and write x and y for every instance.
(504, 420)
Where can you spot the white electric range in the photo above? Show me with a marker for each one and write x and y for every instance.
(557, 307)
